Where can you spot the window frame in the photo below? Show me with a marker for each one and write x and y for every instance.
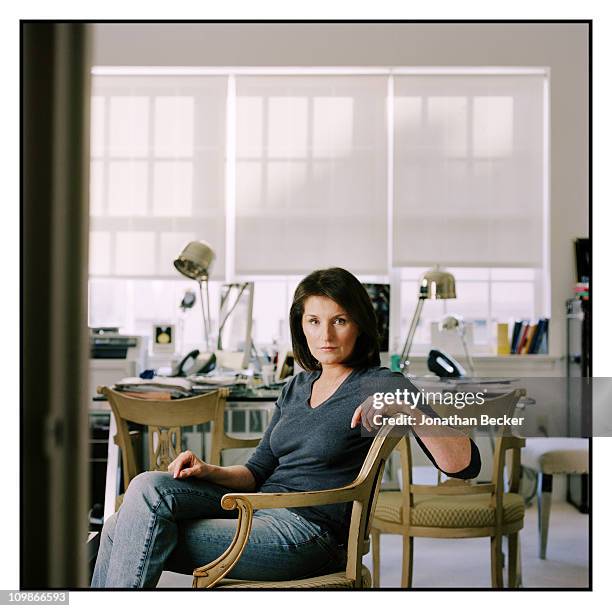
(542, 282)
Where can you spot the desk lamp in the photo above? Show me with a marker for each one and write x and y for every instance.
(194, 262)
(456, 324)
(434, 284)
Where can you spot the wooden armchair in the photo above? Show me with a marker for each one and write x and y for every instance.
(456, 508)
(164, 420)
(361, 492)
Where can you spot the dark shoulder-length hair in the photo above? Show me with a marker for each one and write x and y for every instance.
(343, 288)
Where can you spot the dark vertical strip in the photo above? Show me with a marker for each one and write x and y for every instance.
(36, 134)
(55, 204)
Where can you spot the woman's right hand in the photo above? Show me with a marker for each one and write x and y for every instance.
(187, 464)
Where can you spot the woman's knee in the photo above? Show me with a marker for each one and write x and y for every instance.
(150, 487)
(148, 481)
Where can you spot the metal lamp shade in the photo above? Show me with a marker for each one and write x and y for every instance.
(195, 260)
(437, 284)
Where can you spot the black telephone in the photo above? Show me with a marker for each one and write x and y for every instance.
(444, 365)
(196, 362)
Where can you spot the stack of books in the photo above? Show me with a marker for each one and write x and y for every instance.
(581, 290)
(530, 338)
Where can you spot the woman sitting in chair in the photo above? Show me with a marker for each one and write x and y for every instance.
(174, 521)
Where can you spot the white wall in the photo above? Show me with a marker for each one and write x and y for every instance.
(563, 47)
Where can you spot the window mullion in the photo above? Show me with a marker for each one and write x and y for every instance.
(230, 181)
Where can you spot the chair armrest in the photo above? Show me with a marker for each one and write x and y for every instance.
(271, 500)
(246, 502)
(210, 574)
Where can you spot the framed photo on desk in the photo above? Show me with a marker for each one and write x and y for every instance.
(163, 339)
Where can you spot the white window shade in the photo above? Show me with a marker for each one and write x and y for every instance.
(311, 168)
(469, 170)
(158, 151)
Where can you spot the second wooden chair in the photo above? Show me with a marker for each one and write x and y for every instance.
(164, 421)
(457, 509)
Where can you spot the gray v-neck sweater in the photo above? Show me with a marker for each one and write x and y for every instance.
(307, 448)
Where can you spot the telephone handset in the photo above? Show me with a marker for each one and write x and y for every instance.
(196, 362)
(444, 365)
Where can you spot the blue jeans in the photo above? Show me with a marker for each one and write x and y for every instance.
(179, 525)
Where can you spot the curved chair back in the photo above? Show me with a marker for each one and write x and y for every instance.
(496, 407)
(164, 420)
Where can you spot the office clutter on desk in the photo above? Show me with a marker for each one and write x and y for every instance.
(156, 388)
(203, 383)
(240, 384)
(218, 380)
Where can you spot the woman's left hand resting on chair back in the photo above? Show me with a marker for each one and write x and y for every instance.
(451, 453)
(187, 464)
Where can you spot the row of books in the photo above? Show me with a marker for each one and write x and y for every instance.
(528, 338)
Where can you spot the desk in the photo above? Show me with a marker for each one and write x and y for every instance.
(248, 412)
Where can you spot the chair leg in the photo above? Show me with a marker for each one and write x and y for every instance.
(407, 556)
(497, 574)
(544, 500)
(375, 534)
(513, 560)
(519, 562)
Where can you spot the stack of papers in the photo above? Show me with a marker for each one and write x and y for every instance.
(178, 388)
(215, 381)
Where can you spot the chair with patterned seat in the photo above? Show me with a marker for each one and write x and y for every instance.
(362, 493)
(549, 456)
(456, 509)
